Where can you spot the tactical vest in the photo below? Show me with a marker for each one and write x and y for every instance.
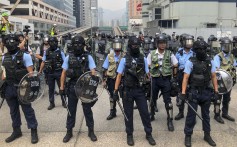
(111, 72)
(228, 64)
(166, 64)
(200, 76)
(53, 61)
(4, 28)
(15, 68)
(76, 67)
(134, 71)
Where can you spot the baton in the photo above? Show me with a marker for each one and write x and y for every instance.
(120, 106)
(1, 103)
(64, 98)
(193, 109)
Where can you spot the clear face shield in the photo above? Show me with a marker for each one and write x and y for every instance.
(148, 46)
(117, 46)
(226, 47)
(188, 43)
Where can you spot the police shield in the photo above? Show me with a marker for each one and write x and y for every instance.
(224, 80)
(89, 87)
(31, 87)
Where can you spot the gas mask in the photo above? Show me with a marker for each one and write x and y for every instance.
(78, 49)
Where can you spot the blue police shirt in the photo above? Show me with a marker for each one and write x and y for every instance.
(62, 54)
(27, 60)
(189, 67)
(184, 58)
(65, 65)
(106, 62)
(217, 60)
(121, 66)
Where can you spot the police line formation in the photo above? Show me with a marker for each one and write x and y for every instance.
(130, 67)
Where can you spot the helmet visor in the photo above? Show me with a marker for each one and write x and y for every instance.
(226, 47)
(117, 46)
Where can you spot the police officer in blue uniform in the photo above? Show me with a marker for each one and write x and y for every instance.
(199, 71)
(52, 61)
(74, 66)
(183, 56)
(110, 66)
(225, 60)
(17, 64)
(134, 66)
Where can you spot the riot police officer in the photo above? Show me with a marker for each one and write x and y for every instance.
(134, 66)
(163, 64)
(234, 51)
(183, 56)
(147, 46)
(73, 67)
(52, 61)
(225, 60)
(17, 64)
(110, 66)
(198, 72)
(214, 46)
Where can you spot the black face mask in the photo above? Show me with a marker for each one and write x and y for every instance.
(201, 54)
(12, 48)
(53, 45)
(135, 51)
(78, 50)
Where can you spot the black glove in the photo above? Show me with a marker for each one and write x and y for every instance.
(183, 97)
(115, 95)
(62, 92)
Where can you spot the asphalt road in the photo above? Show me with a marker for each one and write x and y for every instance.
(52, 129)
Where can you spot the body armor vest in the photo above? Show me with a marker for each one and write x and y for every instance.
(111, 72)
(134, 71)
(15, 68)
(228, 65)
(53, 61)
(166, 64)
(77, 67)
(200, 76)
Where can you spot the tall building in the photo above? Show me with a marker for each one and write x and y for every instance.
(89, 12)
(76, 11)
(135, 9)
(145, 12)
(193, 13)
(63, 5)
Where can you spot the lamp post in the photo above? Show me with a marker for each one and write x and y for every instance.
(92, 8)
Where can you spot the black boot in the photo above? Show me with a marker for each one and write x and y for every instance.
(208, 139)
(68, 136)
(15, 134)
(34, 136)
(179, 115)
(219, 119)
(112, 114)
(187, 141)
(130, 140)
(51, 106)
(226, 116)
(91, 134)
(64, 104)
(152, 117)
(170, 124)
(150, 139)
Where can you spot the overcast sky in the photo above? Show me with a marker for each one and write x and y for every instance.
(112, 4)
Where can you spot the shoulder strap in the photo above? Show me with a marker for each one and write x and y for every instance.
(181, 52)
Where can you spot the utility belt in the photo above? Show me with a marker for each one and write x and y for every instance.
(196, 90)
(163, 77)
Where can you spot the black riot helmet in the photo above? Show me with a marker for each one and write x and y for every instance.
(200, 48)
(11, 42)
(162, 38)
(200, 38)
(117, 44)
(226, 45)
(46, 39)
(211, 38)
(103, 35)
(147, 45)
(188, 41)
(53, 42)
(78, 44)
(234, 41)
(134, 46)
